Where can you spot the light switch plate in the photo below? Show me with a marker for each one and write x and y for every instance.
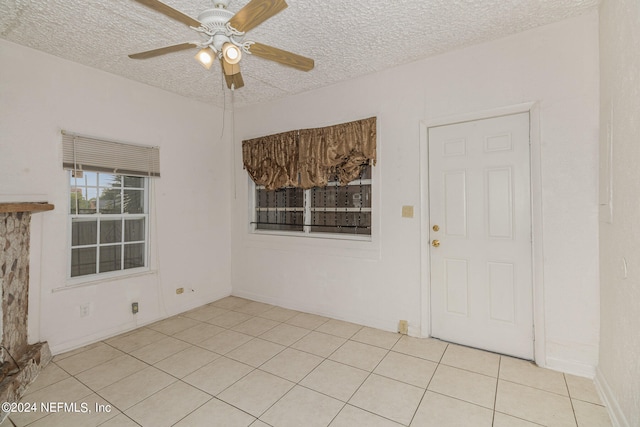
(407, 211)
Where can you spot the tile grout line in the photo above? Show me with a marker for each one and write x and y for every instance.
(536, 388)
(176, 378)
(388, 350)
(294, 384)
(194, 410)
(186, 383)
(254, 317)
(520, 418)
(122, 411)
(365, 380)
(252, 367)
(575, 418)
(344, 403)
(258, 368)
(429, 382)
(132, 420)
(495, 397)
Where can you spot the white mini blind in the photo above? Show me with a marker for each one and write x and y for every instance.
(98, 155)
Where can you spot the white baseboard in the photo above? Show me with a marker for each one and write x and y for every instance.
(611, 403)
(307, 308)
(570, 367)
(121, 329)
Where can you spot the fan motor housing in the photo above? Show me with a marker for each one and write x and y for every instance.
(215, 19)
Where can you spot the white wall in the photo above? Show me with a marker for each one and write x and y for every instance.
(619, 368)
(40, 95)
(378, 283)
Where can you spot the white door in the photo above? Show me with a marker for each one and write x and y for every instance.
(480, 231)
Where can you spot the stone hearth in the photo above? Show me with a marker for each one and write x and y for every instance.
(21, 362)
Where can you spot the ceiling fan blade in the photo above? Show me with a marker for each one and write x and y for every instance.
(229, 69)
(161, 51)
(232, 74)
(234, 81)
(255, 13)
(282, 56)
(170, 12)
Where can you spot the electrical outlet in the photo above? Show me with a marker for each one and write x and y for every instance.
(85, 309)
(403, 327)
(179, 291)
(134, 307)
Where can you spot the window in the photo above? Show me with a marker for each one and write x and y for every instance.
(331, 209)
(109, 222)
(108, 203)
(313, 181)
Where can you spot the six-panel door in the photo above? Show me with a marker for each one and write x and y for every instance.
(479, 198)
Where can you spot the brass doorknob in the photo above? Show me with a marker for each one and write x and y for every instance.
(436, 228)
(435, 243)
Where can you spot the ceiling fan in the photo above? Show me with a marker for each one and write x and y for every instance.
(223, 37)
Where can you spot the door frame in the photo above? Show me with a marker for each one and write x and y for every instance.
(535, 159)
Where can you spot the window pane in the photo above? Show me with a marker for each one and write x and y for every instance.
(83, 261)
(84, 199)
(285, 197)
(134, 230)
(75, 198)
(84, 232)
(110, 232)
(365, 174)
(350, 196)
(91, 178)
(134, 181)
(110, 201)
(341, 222)
(110, 258)
(133, 201)
(279, 220)
(84, 178)
(109, 180)
(134, 255)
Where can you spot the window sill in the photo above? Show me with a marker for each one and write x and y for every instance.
(341, 246)
(327, 236)
(79, 282)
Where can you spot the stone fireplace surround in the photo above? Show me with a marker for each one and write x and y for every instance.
(15, 221)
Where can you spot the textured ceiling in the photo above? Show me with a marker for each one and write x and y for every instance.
(347, 38)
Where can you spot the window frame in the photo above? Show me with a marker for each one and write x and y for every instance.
(307, 212)
(101, 217)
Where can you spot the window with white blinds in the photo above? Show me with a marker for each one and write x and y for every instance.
(109, 205)
(99, 155)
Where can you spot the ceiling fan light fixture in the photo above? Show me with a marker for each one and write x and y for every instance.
(226, 31)
(231, 53)
(205, 57)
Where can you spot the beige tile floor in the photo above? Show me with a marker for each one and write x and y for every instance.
(237, 362)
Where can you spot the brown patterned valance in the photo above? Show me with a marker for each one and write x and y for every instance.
(272, 160)
(311, 157)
